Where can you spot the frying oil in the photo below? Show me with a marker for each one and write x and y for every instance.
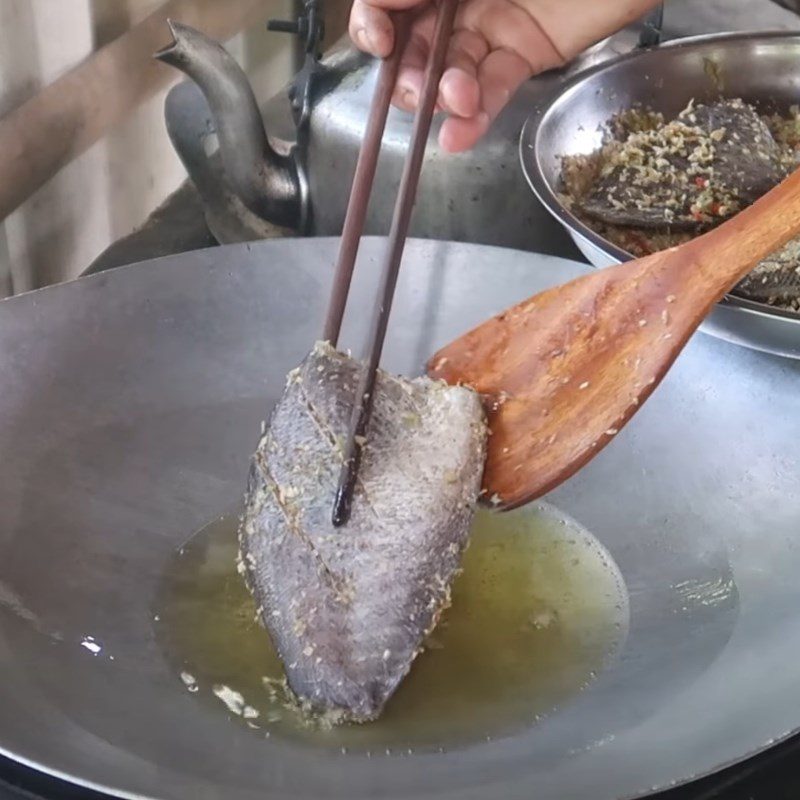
(538, 610)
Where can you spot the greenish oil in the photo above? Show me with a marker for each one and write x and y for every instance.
(537, 612)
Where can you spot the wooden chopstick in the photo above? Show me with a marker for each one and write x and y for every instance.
(363, 180)
(397, 236)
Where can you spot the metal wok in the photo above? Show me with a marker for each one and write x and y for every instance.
(762, 68)
(131, 402)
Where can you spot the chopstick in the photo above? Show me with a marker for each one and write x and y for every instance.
(401, 219)
(363, 180)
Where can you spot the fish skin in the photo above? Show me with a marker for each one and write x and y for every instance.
(777, 277)
(348, 608)
(749, 165)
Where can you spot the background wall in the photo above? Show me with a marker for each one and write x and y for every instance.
(111, 189)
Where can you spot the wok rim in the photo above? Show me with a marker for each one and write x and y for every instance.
(530, 163)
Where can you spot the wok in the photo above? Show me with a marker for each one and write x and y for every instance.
(761, 68)
(131, 403)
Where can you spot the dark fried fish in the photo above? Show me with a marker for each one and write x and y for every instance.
(348, 609)
(693, 172)
(776, 279)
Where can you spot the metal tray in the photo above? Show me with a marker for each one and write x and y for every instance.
(762, 68)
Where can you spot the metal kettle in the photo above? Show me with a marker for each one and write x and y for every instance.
(297, 178)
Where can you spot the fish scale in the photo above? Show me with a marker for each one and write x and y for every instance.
(348, 608)
(776, 277)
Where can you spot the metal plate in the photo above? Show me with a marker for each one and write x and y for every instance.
(131, 402)
(762, 68)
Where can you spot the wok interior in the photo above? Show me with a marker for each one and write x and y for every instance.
(128, 423)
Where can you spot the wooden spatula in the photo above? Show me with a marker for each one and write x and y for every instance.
(564, 370)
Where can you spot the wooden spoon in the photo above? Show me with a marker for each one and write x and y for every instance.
(564, 370)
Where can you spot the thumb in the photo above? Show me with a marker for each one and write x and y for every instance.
(371, 26)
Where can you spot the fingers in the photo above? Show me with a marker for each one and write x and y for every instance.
(371, 29)
(457, 134)
(459, 92)
(412, 66)
(371, 26)
(480, 74)
(500, 74)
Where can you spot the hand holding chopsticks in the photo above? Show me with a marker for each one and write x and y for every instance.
(495, 47)
(354, 224)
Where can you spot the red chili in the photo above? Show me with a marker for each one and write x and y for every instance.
(645, 247)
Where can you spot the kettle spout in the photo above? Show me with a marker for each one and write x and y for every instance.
(265, 181)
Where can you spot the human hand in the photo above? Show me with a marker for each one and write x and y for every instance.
(496, 46)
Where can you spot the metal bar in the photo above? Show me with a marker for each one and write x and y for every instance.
(362, 183)
(397, 236)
